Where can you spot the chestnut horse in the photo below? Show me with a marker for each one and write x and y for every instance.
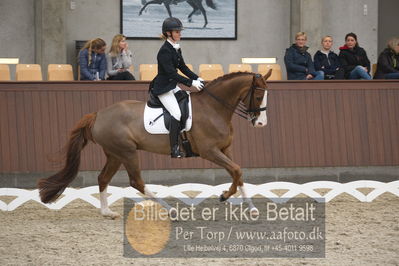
(119, 129)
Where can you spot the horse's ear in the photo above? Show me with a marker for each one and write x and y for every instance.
(268, 74)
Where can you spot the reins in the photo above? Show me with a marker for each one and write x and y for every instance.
(241, 109)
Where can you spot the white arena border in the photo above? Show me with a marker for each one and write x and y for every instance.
(206, 191)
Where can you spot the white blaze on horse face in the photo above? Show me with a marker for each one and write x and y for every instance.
(261, 121)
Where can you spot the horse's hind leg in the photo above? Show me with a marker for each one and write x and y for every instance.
(192, 13)
(202, 9)
(111, 167)
(206, 19)
(132, 167)
(131, 163)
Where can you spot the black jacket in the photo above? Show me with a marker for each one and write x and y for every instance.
(298, 63)
(169, 60)
(388, 62)
(328, 65)
(351, 58)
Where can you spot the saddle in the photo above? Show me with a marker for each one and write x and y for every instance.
(183, 99)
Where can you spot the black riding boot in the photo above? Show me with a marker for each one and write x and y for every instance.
(174, 131)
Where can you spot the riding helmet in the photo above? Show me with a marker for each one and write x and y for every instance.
(171, 24)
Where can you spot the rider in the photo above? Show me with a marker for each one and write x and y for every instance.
(164, 84)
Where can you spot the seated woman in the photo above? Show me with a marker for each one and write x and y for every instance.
(92, 61)
(119, 59)
(298, 61)
(354, 59)
(388, 61)
(327, 61)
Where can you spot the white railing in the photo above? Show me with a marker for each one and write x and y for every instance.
(205, 191)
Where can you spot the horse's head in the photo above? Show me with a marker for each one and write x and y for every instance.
(255, 100)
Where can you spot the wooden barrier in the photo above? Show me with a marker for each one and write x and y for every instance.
(310, 123)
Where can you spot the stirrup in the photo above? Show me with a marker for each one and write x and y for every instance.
(175, 152)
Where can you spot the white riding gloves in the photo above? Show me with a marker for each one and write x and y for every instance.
(198, 84)
(200, 79)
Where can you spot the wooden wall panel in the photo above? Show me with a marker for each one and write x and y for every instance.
(315, 123)
(4, 131)
(393, 110)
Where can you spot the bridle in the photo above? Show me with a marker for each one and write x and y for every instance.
(241, 110)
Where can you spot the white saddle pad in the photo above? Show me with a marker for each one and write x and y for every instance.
(158, 126)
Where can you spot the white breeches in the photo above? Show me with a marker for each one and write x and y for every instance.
(168, 100)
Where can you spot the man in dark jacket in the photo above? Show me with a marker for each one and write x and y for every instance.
(354, 59)
(388, 61)
(298, 61)
(327, 61)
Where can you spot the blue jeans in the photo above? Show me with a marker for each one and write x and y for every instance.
(359, 73)
(319, 76)
(391, 76)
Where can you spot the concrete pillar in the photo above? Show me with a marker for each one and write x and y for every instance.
(50, 35)
(306, 15)
(295, 19)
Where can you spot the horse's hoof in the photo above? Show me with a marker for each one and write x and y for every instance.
(254, 211)
(110, 214)
(222, 198)
(173, 214)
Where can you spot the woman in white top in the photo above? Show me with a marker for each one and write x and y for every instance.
(119, 59)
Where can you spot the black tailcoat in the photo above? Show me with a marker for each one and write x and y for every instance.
(169, 60)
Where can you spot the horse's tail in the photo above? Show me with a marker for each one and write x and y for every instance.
(210, 4)
(51, 188)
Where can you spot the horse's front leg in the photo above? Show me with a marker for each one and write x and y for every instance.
(229, 153)
(150, 3)
(142, 9)
(167, 5)
(218, 157)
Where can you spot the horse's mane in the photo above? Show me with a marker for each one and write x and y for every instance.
(227, 76)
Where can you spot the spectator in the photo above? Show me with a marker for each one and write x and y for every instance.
(119, 59)
(388, 61)
(327, 61)
(354, 59)
(299, 62)
(92, 61)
